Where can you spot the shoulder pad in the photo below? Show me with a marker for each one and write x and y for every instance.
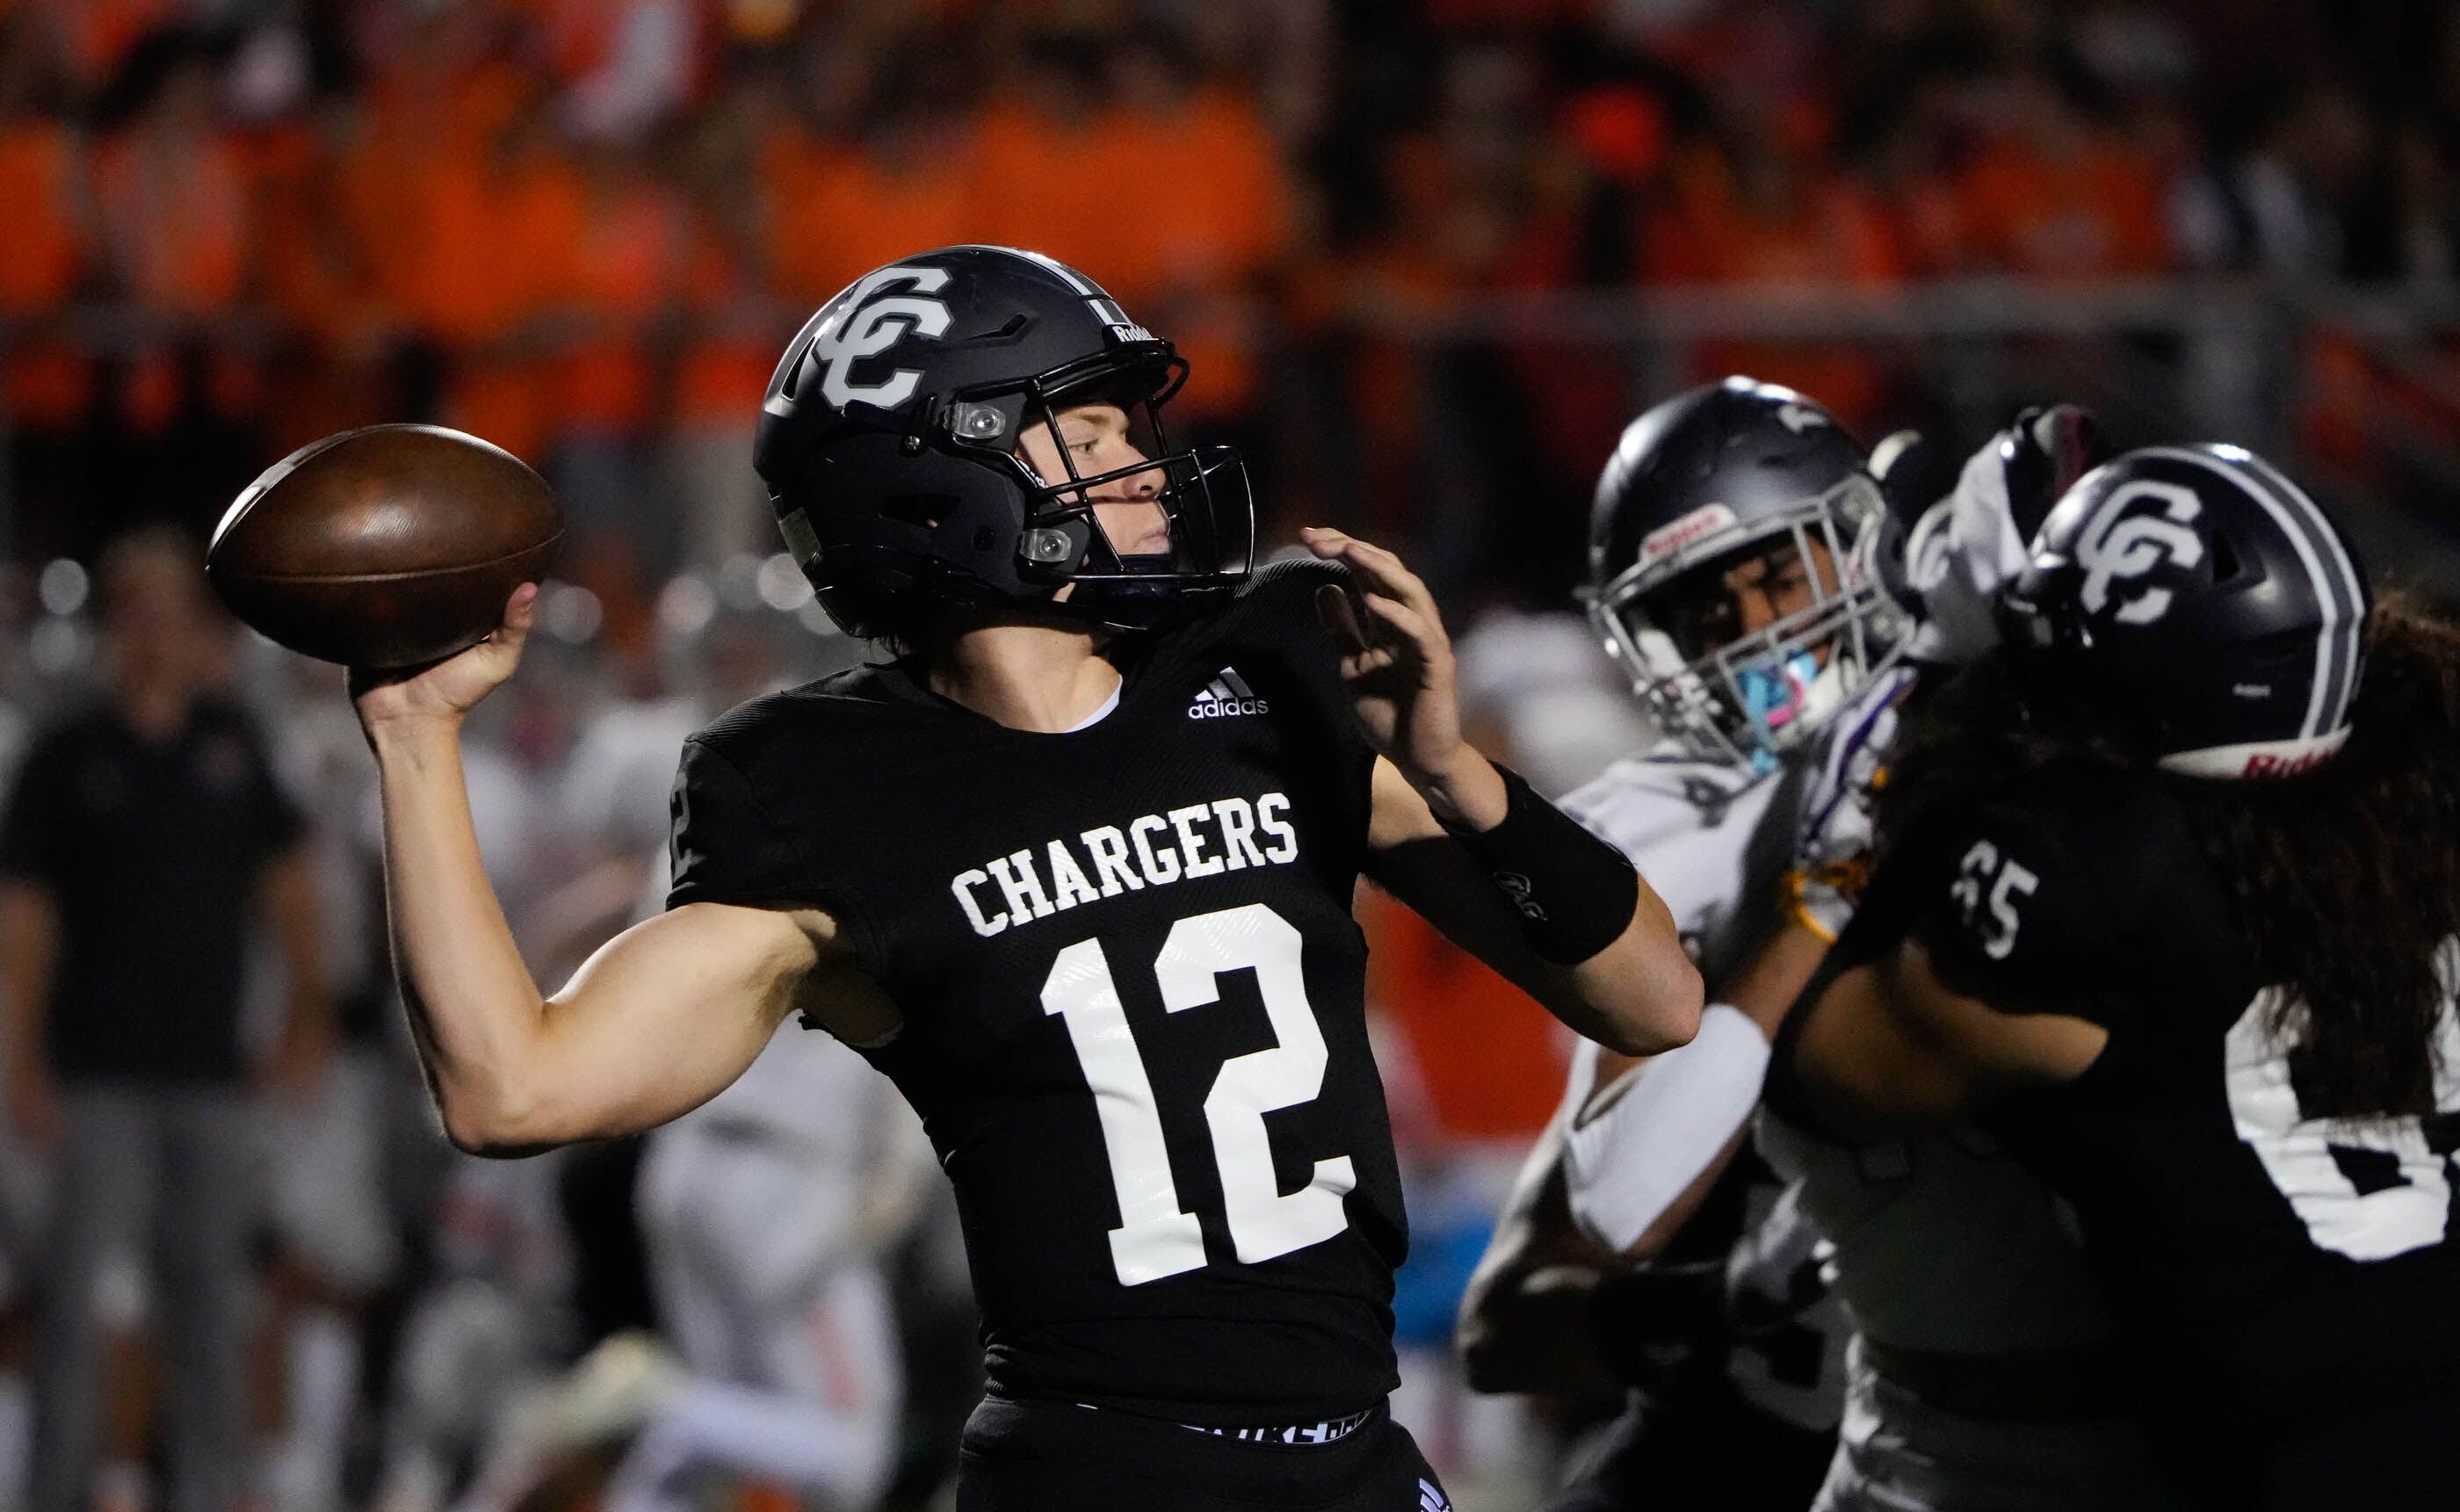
(753, 722)
(1639, 800)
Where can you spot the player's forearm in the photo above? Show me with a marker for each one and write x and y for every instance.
(477, 1015)
(1642, 989)
(1551, 907)
(1524, 1315)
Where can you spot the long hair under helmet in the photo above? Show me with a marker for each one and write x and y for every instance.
(889, 438)
(1698, 481)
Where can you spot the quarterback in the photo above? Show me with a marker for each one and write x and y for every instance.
(1074, 868)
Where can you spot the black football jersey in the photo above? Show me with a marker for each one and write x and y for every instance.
(2289, 1285)
(1132, 998)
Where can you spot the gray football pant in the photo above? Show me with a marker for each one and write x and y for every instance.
(165, 1174)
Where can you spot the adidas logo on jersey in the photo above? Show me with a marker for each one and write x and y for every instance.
(1225, 695)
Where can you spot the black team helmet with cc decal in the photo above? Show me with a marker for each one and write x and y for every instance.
(889, 440)
(2213, 606)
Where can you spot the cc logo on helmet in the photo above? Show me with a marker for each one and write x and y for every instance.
(2122, 543)
(870, 326)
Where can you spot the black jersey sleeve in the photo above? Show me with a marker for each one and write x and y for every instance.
(725, 846)
(2019, 906)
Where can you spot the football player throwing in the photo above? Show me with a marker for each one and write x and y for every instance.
(1073, 869)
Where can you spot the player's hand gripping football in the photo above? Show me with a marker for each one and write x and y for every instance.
(445, 690)
(1403, 682)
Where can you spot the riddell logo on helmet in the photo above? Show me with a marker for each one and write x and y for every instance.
(1225, 695)
(1668, 539)
(2263, 764)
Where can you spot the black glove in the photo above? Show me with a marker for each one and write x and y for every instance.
(2043, 453)
(1662, 1325)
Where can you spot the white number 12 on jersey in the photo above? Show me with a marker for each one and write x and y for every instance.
(1155, 1236)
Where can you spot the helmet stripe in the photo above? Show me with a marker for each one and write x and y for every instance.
(2345, 632)
(1056, 268)
(2334, 664)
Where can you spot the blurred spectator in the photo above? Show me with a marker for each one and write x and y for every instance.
(2053, 194)
(171, 187)
(142, 837)
(624, 65)
(45, 254)
(1425, 260)
(767, 1214)
(2280, 208)
(45, 381)
(732, 341)
(907, 180)
(585, 228)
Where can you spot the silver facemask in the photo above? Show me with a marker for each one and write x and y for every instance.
(1749, 700)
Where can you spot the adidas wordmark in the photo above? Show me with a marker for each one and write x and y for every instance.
(1226, 695)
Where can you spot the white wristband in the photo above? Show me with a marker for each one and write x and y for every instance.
(1628, 1162)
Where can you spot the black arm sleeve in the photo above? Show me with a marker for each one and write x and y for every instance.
(1574, 892)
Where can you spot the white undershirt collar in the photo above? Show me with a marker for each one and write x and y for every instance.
(1101, 713)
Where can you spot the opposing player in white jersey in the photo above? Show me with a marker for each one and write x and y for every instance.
(1730, 552)
(1976, 1377)
(767, 1213)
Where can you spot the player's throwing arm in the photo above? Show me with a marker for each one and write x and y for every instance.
(658, 1021)
(409, 554)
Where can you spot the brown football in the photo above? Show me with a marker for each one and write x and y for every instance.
(386, 547)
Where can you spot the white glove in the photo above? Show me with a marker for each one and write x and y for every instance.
(1969, 545)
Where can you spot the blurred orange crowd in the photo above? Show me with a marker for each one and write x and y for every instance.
(592, 221)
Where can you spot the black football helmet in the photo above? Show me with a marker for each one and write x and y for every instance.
(1696, 483)
(889, 444)
(2208, 603)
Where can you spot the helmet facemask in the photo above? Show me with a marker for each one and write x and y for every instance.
(1202, 492)
(1746, 700)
